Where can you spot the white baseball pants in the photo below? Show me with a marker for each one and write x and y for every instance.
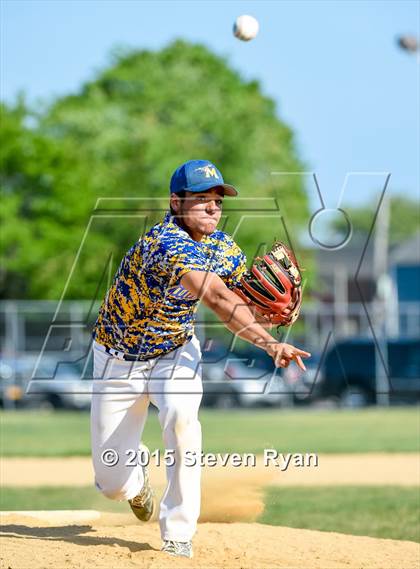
(121, 395)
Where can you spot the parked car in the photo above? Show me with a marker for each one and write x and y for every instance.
(348, 372)
(231, 380)
(54, 385)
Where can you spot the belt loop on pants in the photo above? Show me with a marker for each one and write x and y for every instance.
(120, 355)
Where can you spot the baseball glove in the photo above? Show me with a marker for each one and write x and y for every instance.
(273, 286)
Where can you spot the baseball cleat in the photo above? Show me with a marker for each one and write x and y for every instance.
(178, 548)
(143, 505)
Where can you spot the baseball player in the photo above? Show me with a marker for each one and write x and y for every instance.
(145, 350)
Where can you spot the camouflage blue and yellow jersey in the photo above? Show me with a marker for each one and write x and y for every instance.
(146, 311)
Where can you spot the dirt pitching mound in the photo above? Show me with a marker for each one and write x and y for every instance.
(30, 543)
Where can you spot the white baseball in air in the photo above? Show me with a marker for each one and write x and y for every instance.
(245, 27)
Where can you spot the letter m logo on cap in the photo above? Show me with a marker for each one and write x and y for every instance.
(209, 171)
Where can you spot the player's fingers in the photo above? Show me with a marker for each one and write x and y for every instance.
(301, 353)
(281, 361)
(300, 363)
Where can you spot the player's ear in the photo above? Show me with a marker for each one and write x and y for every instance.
(175, 203)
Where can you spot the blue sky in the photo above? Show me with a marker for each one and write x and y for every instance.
(333, 68)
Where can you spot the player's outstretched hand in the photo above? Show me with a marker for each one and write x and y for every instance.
(283, 354)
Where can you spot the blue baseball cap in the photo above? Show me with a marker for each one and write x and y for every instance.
(199, 176)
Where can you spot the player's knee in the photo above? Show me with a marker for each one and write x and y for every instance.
(181, 425)
(114, 493)
(113, 490)
(180, 422)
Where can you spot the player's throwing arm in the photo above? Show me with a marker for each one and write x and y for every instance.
(238, 317)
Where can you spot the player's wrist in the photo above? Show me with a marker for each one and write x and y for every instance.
(267, 344)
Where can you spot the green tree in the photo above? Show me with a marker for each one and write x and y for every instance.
(46, 201)
(122, 136)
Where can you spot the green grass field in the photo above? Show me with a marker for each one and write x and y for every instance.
(387, 512)
(370, 430)
(378, 511)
